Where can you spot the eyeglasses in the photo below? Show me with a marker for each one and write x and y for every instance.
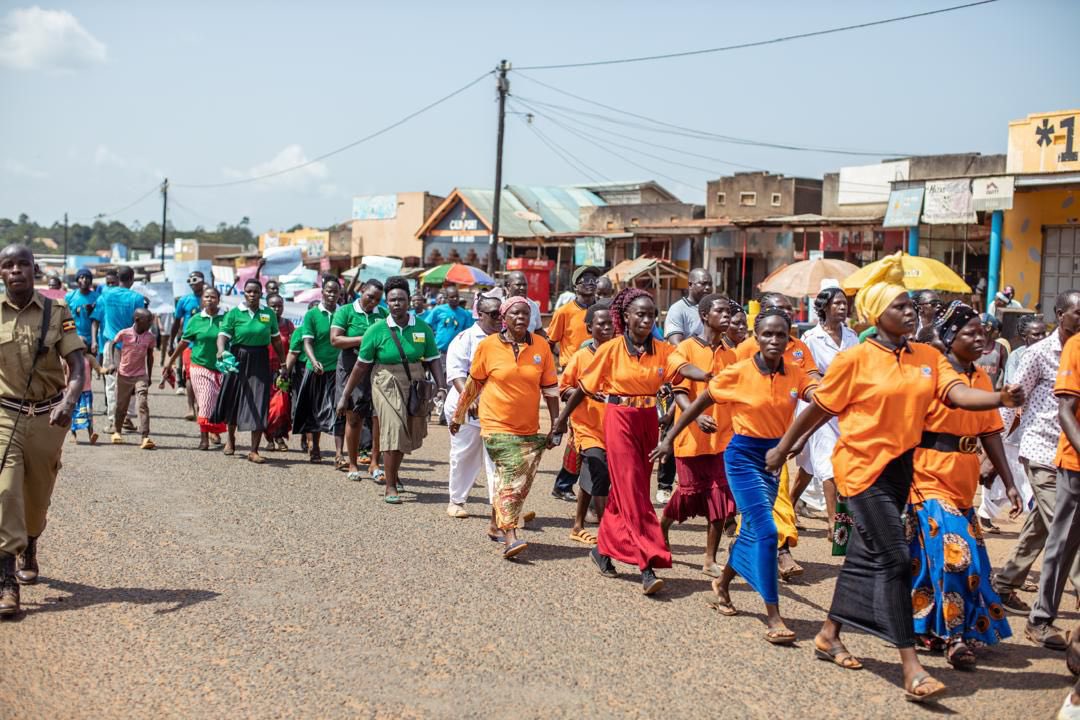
(493, 314)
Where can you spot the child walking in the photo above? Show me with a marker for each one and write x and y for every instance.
(83, 419)
(133, 375)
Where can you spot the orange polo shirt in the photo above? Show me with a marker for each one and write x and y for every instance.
(762, 403)
(588, 417)
(510, 398)
(954, 476)
(796, 353)
(1068, 383)
(614, 370)
(568, 330)
(882, 397)
(692, 441)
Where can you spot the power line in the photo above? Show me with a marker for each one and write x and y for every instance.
(704, 134)
(197, 216)
(343, 148)
(576, 163)
(759, 43)
(127, 207)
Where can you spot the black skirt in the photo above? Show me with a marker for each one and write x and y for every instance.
(244, 400)
(360, 398)
(873, 590)
(316, 403)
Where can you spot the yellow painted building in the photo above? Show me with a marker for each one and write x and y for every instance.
(313, 242)
(1041, 232)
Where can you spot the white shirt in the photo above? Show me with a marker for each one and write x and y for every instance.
(1039, 427)
(824, 348)
(459, 355)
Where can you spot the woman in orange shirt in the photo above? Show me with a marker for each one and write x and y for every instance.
(699, 452)
(510, 371)
(737, 329)
(761, 393)
(881, 391)
(952, 599)
(629, 370)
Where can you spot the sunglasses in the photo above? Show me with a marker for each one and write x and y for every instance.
(493, 314)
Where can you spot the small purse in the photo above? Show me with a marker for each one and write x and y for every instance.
(418, 399)
(841, 528)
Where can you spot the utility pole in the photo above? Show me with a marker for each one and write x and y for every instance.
(164, 216)
(65, 243)
(503, 86)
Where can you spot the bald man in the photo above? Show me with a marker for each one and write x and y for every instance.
(517, 285)
(683, 319)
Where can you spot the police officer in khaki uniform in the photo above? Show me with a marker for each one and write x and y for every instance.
(35, 411)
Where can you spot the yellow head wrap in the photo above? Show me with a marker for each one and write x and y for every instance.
(880, 289)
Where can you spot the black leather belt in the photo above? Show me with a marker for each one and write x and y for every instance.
(947, 442)
(29, 408)
(638, 401)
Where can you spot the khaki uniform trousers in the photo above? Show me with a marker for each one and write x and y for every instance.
(28, 478)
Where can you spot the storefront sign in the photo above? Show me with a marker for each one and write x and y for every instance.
(375, 207)
(1044, 143)
(589, 251)
(948, 202)
(460, 219)
(995, 193)
(904, 208)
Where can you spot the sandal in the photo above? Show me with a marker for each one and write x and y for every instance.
(315, 456)
(936, 687)
(583, 536)
(378, 474)
(391, 500)
(228, 450)
(93, 438)
(355, 476)
(256, 458)
(496, 538)
(712, 571)
(960, 655)
(838, 655)
(780, 636)
(340, 463)
(722, 603)
(515, 548)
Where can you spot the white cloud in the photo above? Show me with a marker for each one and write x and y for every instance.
(289, 157)
(36, 39)
(106, 157)
(14, 167)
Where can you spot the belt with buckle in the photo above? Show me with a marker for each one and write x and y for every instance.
(637, 401)
(947, 442)
(31, 408)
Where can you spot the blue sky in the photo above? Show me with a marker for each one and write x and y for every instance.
(103, 99)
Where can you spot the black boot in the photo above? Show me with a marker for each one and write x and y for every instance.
(9, 586)
(26, 563)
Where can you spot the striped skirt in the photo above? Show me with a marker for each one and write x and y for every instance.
(205, 384)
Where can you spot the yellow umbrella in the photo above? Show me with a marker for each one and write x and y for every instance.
(804, 277)
(920, 273)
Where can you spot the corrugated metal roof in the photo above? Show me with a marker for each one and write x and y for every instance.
(558, 206)
(511, 223)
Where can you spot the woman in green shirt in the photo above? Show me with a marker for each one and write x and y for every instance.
(394, 352)
(244, 400)
(317, 398)
(201, 335)
(347, 330)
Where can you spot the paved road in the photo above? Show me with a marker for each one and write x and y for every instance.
(186, 584)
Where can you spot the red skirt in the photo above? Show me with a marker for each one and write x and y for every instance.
(629, 530)
(702, 491)
(279, 417)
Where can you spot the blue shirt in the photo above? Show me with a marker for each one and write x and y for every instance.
(187, 307)
(81, 305)
(447, 324)
(115, 310)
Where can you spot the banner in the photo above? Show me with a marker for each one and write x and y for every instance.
(948, 202)
(904, 208)
(160, 294)
(282, 260)
(993, 193)
(177, 273)
(589, 251)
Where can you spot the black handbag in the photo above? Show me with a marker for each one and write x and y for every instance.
(418, 401)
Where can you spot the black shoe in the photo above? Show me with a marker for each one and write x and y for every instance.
(26, 563)
(1012, 603)
(9, 587)
(564, 495)
(988, 526)
(603, 563)
(650, 584)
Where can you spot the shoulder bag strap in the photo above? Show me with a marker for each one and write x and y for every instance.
(401, 352)
(46, 316)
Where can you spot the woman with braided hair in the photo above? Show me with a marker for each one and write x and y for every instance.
(881, 391)
(953, 602)
(628, 371)
(761, 393)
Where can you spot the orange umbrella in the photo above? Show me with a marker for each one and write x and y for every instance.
(804, 277)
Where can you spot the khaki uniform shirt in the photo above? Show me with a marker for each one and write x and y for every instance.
(19, 331)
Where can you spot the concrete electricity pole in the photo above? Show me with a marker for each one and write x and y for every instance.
(503, 86)
(164, 216)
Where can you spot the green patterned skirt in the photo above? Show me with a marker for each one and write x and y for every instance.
(516, 459)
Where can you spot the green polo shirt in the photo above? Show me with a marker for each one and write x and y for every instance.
(354, 321)
(417, 342)
(253, 329)
(201, 334)
(316, 325)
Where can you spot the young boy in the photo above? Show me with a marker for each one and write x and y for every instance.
(133, 374)
(84, 411)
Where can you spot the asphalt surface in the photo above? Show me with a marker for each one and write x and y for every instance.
(187, 584)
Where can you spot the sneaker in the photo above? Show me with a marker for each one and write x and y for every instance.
(564, 495)
(1048, 636)
(650, 584)
(662, 496)
(1068, 710)
(180, 391)
(603, 563)
(1012, 602)
(117, 439)
(457, 510)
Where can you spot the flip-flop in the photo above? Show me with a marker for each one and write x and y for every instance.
(355, 476)
(515, 548)
(724, 607)
(776, 636)
(713, 571)
(583, 536)
(228, 451)
(961, 659)
(379, 474)
(833, 655)
(496, 538)
(917, 682)
(391, 500)
(257, 459)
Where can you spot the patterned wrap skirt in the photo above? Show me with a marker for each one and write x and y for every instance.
(206, 386)
(952, 595)
(84, 411)
(516, 458)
